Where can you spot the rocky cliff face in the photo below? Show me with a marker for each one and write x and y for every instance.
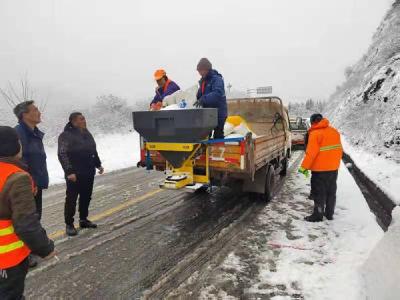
(366, 108)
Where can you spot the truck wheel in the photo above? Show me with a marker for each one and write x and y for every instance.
(269, 184)
(284, 167)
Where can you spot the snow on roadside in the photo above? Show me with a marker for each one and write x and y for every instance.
(384, 172)
(299, 260)
(116, 151)
(324, 262)
(382, 269)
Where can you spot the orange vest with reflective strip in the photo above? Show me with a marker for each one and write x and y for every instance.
(324, 149)
(12, 250)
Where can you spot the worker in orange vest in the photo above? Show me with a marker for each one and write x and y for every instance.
(20, 230)
(323, 155)
(165, 87)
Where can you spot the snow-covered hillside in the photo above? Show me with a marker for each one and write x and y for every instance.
(366, 108)
(116, 151)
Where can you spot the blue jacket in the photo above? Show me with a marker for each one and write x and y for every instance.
(33, 154)
(213, 95)
(170, 88)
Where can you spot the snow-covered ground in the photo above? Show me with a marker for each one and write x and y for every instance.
(116, 151)
(382, 269)
(293, 259)
(384, 172)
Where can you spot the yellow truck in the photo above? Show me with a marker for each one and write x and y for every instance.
(177, 142)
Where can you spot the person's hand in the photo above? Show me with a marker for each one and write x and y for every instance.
(51, 255)
(35, 190)
(198, 103)
(156, 106)
(72, 177)
(303, 171)
(101, 170)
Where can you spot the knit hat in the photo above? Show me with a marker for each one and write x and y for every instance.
(204, 64)
(315, 118)
(9, 145)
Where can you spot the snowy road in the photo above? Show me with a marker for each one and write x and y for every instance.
(158, 243)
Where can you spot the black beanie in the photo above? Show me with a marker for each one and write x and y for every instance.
(9, 142)
(204, 64)
(315, 118)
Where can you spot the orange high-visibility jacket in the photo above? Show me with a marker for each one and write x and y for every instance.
(12, 250)
(324, 149)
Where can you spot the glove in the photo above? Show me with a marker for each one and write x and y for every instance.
(303, 171)
(156, 106)
(198, 103)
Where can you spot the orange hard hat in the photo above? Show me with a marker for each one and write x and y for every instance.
(159, 74)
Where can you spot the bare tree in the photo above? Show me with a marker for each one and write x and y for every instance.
(13, 95)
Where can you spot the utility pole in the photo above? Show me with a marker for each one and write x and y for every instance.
(229, 86)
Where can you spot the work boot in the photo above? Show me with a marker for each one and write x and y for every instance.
(313, 218)
(32, 261)
(87, 224)
(70, 230)
(329, 217)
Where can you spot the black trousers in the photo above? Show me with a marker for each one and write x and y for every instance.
(323, 187)
(83, 189)
(39, 201)
(12, 281)
(219, 130)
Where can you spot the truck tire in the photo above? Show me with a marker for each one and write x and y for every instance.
(269, 184)
(284, 166)
(268, 188)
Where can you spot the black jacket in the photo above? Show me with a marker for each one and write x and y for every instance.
(77, 151)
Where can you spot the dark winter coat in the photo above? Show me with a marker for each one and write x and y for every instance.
(162, 92)
(17, 204)
(33, 154)
(77, 151)
(212, 94)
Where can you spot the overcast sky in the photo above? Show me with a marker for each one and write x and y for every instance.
(77, 50)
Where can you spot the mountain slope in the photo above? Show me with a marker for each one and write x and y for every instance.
(366, 108)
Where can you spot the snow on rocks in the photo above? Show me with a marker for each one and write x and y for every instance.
(382, 269)
(366, 107)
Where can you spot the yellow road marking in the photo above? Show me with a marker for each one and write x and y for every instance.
(111, 211)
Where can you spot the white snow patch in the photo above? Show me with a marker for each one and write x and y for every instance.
(385, 173)
(324, 260)
(211, 293)
(116, 151)
(232, 261)
(382, 269)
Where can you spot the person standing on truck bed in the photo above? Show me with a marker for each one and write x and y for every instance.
(165, 87)
(20, 230)
(211, 94)
(78, 156)
(323, 155)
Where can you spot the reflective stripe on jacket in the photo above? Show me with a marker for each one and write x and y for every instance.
(324, 149)
(12, 250)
